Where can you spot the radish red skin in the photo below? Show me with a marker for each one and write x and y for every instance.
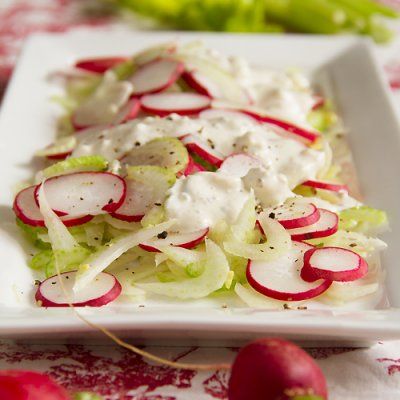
(110, 207)
(333, 187)
(100, 301)
(180, 67)
(29, 385)
(330, 230)
(287, 126)
(194, 148)
(311, 273)
(34, 221)
(188, 245)
(286, 296)
(274, 369)
(59, 156)
(99, 65)
(190, 79)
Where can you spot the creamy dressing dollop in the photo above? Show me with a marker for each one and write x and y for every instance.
(204, 199)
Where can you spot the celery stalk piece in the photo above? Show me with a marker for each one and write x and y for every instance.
(368, 8)
(313, 16)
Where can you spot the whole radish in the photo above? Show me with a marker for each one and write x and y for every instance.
(275, 369)
(29, 385)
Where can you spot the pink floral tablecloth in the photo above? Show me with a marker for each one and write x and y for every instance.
(115, 373)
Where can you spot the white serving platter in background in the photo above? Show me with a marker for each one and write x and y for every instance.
(344, 66)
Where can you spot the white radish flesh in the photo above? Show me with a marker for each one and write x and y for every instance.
(140, 197)
(295, 214)
(187, 240)
(156, 76)
(104, 289)
(85, 193)
(27, 210)
(333, 187)
(163, 104)
(239, 165)
(327, 225)
(127, 113)
(197, 146)
(202, 84)
(103, 106)
(280, 279)
(333, 263)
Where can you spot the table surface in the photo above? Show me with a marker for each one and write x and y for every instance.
(114, 372)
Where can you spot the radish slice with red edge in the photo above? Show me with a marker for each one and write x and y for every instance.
(128, 112)
(334, 264)
(333, 187)
(139, 198)
(191, 168)
(163, 104)
(27, 210)
(84, 193)
(99, 65)
(239, 165)
(187, 240)
(59, 156)
(104, 289)
(156, 76)
(197, 146)
(220, 113)
(285, 125)
(319, 102)
(327, 225)
(202, 84)
(280, 279)
(295, 214)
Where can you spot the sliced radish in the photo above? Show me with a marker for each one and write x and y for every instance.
(99, 65)
(326, 225)
(203, 85)
(280, 279)
(163, 104)
(287, 126)
(27, 210)
(187, 240)
(192, 168)
(334, 264)
(197, 146)
(128, 112)
(239, 165)
(147, 186)
(139, 198)
(84, 193)
(104, 105)
(319, 102)
(59, 156)
(218, 113)
(58, 150)
(156, 76)
(295, 214)
(104, 289)
(334, 187)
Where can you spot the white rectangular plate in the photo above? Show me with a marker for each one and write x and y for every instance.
(355, 81)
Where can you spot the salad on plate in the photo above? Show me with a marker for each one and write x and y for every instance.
(182, 173)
